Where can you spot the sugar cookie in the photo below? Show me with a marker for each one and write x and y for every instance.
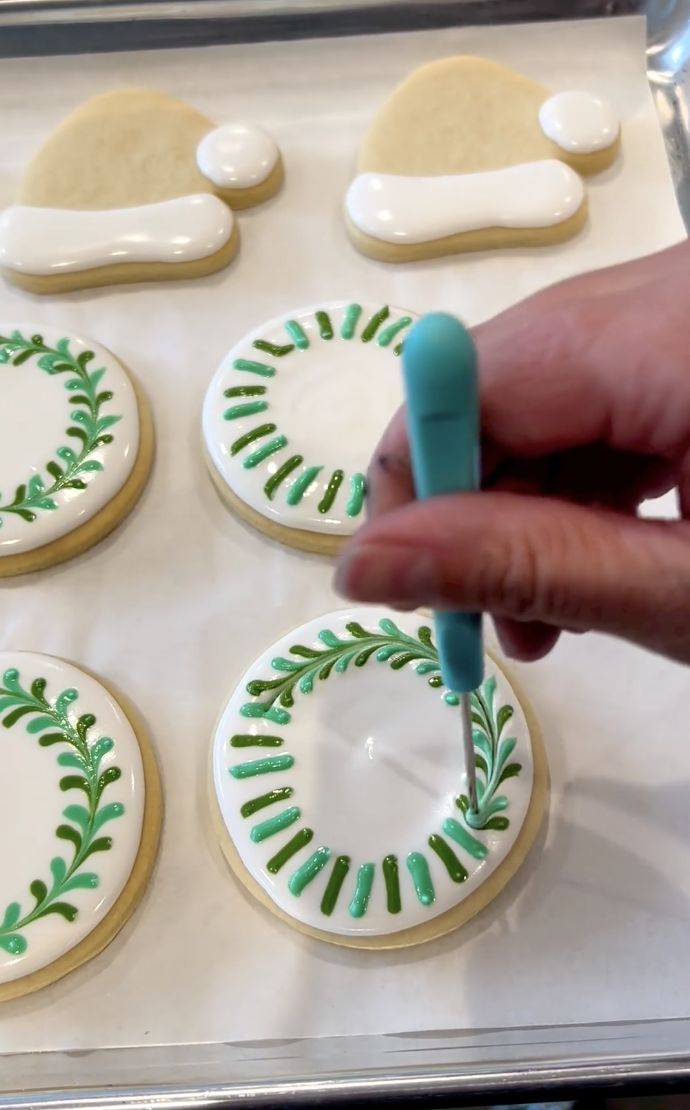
(339, 788)
(293, 414)
(469, 155)
(134, 186)
(81, 796)
(76, 446)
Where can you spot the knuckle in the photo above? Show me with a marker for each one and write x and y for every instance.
(521, 576)
(511, 575)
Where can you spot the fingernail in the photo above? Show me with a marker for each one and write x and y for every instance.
(405, 577)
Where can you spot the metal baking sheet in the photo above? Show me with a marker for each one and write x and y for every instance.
(491, 1058)
(80, 26)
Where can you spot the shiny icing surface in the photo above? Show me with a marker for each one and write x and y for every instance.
(338, 770)
(72, 803)
(237, 155)
(579, 122)
(69, 433)
(54, 241)
(399, 209)
(291, 419)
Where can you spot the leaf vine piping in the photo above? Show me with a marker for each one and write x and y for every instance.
(88, 425)
(389, 644)
(82, 760)
(492, 752)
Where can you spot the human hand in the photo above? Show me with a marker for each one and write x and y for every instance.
(585, 412)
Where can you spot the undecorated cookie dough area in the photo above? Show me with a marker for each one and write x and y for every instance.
(176, 605)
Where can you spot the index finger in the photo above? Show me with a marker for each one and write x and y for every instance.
(389, 478)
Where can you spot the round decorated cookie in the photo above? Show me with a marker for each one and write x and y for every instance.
(340, 787)
(76, 445)
(80, 800)
(293, 414)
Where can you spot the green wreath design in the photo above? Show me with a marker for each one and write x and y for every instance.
(261, 443)
(88, 425)
(389, 644)
(298, 672)
(84, 822)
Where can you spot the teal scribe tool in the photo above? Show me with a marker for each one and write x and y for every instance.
(440, 375)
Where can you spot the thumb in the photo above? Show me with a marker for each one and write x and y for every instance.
(529, 559)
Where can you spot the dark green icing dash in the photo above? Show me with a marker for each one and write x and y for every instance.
(419, 870)
(392, 330)
(330, 491)
(297, 334)
(300, 486)
(251, 408)
(308, 871)
(245, 391)
(249, 740)
(335, 882)
(299, 841)
(448, 857)
(325, 325)
(350, 320)
(249, 437)
(281, 474)
(360, 898)
(374, 324)
(398, 349)
(275, 350)
(264, 452)
(262, 766)
(273, 825)
(358, 488)
(392, 881)
(260, 368)
(268, 799)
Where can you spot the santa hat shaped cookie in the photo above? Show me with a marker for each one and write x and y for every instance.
(468, 155)
(134, 186)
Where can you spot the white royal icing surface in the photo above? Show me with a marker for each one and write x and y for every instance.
(54, 241)
(237, 155)
(579, 122)
(36, 409)
(378, 764)
(400, 209)
(320, 399)
(33, 806)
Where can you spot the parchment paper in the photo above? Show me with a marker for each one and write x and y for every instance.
(175, 605)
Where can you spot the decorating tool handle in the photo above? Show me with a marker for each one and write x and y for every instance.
(440, 374)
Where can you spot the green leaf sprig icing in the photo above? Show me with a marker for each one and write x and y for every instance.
(492, 754)
(81, 759)
(389, 644)
(87, 425)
